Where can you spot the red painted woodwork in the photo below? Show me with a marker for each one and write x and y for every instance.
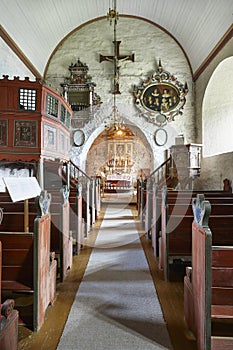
(37, 124)
(61, 237)
(29, 267)
(8, 319)
(208, 285)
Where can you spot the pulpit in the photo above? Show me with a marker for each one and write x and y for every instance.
(186, 162)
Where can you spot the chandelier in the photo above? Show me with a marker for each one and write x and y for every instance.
(114, 121)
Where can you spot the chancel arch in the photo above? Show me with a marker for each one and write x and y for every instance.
(140, 141)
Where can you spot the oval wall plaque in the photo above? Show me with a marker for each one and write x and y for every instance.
(79, 138)
(160, 137)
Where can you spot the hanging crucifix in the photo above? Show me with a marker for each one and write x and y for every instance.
(116, 58)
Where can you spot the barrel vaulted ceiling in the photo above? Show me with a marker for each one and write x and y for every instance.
(35, 28)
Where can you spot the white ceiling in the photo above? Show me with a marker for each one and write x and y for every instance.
(37, 27)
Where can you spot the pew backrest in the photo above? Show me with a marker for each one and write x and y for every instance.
(8, 319)
(209, 263)
(27, 263)
(61, 235)
(175, 241)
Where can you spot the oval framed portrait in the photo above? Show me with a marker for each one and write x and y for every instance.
(160, 97)
(160, 137)
(79, 138)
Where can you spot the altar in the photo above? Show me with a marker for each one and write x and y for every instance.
(118, 183)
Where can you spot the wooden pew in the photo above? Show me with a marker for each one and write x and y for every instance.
(208, 285)
(76, 220)
(85, 208)
(175, 242)
(8, 319)
(97, 197)
(13, 218)
(61, 235)
(28, 265)
(177, 197)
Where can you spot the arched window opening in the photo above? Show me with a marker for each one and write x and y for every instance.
(217, 112)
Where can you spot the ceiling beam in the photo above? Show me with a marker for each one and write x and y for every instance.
(228, 35)
(14, 47)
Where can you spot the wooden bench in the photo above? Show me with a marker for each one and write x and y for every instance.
(85, 208)
(208, 286)
(88, 202)
(76, 219)
(184, 199)
(175, 242)
(61, 235)
(14, 218)
(8, 319)
(29, 266)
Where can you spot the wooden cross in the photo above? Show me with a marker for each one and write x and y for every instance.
(115, 59)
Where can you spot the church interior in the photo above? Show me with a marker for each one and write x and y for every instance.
(116, 172)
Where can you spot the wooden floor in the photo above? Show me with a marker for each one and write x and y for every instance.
(170, 295)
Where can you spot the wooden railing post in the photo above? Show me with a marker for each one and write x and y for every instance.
(143, 202)
(148, 207)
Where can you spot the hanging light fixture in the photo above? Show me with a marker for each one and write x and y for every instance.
(114, 121)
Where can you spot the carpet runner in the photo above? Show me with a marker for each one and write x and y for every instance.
(116, 306)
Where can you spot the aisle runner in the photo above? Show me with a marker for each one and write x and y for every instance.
(116, 306)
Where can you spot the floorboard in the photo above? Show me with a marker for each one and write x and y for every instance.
(170, 296)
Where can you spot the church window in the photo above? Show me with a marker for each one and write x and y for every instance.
(27, 99)
(68, 119)
(52, 106)
(63, 114)
(217, 111)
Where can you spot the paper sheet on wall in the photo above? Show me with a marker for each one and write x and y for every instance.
(21, 188)
(2, 185)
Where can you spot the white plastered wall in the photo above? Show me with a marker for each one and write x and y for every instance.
(217, 118)
(215, 168)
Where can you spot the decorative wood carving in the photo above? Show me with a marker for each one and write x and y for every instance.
(43, 203)
(201, 210)
(78, 87)
(64, 194)
(161, 94)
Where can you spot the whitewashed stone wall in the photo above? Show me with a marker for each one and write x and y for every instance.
(216, 168)
(97, 157)
(217, 111)
(149, 44)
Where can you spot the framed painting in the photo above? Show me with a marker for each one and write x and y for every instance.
(161, 97)
(62, 141)
(129, 149)
(111, 150)
(25, 133)
(50, 137)
(120, 150)
(3, 132)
